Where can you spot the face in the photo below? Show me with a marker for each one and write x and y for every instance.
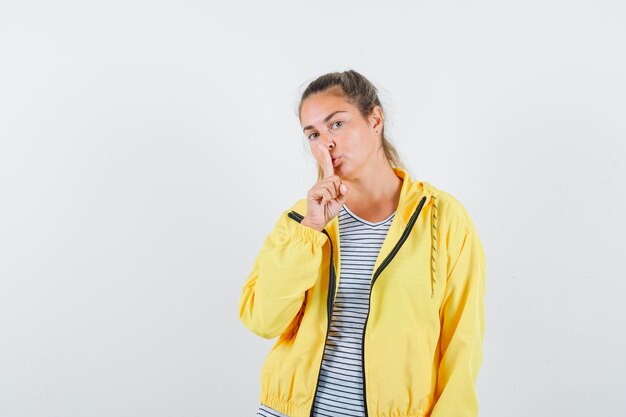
(328, 119)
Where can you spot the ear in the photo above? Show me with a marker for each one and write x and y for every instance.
(376, 118)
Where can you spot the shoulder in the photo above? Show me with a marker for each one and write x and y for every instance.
(451, 212)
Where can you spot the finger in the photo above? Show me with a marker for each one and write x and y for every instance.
(327, 192)
(342, 199)
(330, 186)
(326, 162)
(339, 185)
(316, 193)
(321, 191)
(326, 196)
(333, 182)
(318, 190)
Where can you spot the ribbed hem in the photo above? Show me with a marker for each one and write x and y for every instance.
(285, 407)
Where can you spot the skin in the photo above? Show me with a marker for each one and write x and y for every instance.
(374, 188)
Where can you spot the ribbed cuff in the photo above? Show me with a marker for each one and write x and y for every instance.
(309, 234)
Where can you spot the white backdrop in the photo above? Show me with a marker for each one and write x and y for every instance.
(148, 147)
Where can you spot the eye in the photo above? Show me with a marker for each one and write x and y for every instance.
(340, 122)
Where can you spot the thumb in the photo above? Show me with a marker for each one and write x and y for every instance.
(343, 196)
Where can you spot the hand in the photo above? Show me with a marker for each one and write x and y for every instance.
(327, 196)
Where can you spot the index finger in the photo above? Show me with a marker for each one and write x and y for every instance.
(326, 162)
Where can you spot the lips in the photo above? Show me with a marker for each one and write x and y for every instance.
(336, 161)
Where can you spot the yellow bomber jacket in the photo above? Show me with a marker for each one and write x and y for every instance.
(422, 343)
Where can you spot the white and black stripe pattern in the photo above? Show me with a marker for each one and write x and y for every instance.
(340, 385)
(265, 411)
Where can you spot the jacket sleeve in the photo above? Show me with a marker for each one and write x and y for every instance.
(462, 321)
(286, 266)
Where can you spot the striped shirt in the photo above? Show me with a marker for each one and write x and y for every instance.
(340, 384)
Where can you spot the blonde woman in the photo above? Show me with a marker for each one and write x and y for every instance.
(374, 283)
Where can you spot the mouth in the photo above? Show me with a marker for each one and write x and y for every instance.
(336, 161)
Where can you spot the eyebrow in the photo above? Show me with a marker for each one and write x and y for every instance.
(325, 119)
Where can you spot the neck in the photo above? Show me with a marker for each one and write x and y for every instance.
(375, 184)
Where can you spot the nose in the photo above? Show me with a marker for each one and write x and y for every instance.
(327, 141)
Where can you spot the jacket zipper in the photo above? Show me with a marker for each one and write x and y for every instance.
(330, 299)
(331, 292)
(382, 266)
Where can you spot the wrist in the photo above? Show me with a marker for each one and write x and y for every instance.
(305, 222)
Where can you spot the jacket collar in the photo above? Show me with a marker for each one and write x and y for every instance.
(411, 193)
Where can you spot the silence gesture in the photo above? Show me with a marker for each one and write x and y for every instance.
(327, 196)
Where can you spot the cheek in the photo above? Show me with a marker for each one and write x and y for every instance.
(359, 144)
(351, 141)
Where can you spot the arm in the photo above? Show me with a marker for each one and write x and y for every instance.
(462, 323)
(287, 265)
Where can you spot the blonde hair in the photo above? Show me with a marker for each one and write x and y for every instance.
(359, 91)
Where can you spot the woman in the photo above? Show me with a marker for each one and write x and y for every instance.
(374, 284)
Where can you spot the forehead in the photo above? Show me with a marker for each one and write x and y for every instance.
(316, 107)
